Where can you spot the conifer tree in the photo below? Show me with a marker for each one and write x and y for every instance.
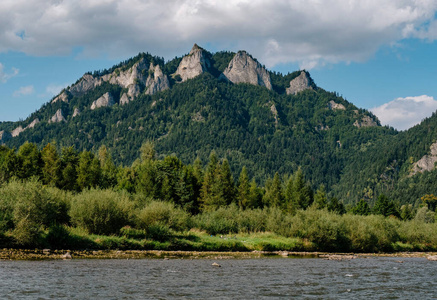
(51, 170)
(243, 190)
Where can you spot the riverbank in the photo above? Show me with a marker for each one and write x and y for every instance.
(47, 254)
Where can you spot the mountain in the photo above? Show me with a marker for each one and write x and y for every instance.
(230, 103)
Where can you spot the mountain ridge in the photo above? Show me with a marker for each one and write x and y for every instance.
(266, 121)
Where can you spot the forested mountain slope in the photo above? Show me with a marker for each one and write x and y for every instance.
(230, 103)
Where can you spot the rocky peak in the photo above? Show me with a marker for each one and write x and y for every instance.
(299, 84)
(85, 84)
(244, 69)
(157, 80)
(104, 101)
(131, 76)
(57, 117)
(193, 64)
(61, 97)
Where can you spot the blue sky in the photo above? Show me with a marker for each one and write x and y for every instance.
(380, 55)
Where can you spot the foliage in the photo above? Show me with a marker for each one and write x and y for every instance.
(101, 211)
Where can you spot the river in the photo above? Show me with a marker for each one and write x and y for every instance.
(265, 278)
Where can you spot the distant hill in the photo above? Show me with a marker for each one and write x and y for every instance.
(230, 103)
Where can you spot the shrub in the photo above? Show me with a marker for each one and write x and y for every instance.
(220, 221)
(163, 214)
(321, 227)
(102, 211)
(29, 207)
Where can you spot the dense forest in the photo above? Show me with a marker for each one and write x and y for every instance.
(74, 199)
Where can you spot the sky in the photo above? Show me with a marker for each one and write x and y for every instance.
(378, 54)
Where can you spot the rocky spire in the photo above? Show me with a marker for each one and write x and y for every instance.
(157, 80)
(244, 69)
(57, 117)
(193, 64)
(299, 84)
(105, 100)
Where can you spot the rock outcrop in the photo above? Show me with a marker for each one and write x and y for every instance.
(57, 117)
(427, 162)
(32, 124)
(132, 79)
(76, 112)
(85, 84)
(157, 81)
(332, 105)
(124, 99)
(365, 121)
(61, 97)
(193, 64)
(17, 131)
(5, 136)
(104, 101)
(244, 69)
(274, 112)
(299, 84)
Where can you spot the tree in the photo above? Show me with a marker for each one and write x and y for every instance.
(383, 206)
(88, 171)
(320, 198)
(226, 183)
(430, 201)
(336, 206)
(362, 208)
(69, 164)
(30, 161)
(211, 196)
(274, 196)
(51, 170)
(109, 171)
(243, 190)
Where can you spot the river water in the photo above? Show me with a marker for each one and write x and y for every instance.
(266, 278)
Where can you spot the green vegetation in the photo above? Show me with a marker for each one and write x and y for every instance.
(163, 204)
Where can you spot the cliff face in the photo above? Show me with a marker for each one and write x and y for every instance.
(157, 81)
(57, 117)
(299, 84)
(131, 79)
(105, 100)
(61, 97)
(85, 84)
(194, 64)
(427, 162)
(244, 69)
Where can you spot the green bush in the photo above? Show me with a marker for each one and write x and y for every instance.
(163, 213)
(28, 208)
(321, 227)
(220, 221)
(102, 211)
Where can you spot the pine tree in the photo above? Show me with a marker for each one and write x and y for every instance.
(243, 189)
(274, 196)
(320, 198)
(51, 170)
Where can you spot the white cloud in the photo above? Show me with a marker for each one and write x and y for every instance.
(310, 32)
(24, 91)
(6, 76)
(403, 113)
